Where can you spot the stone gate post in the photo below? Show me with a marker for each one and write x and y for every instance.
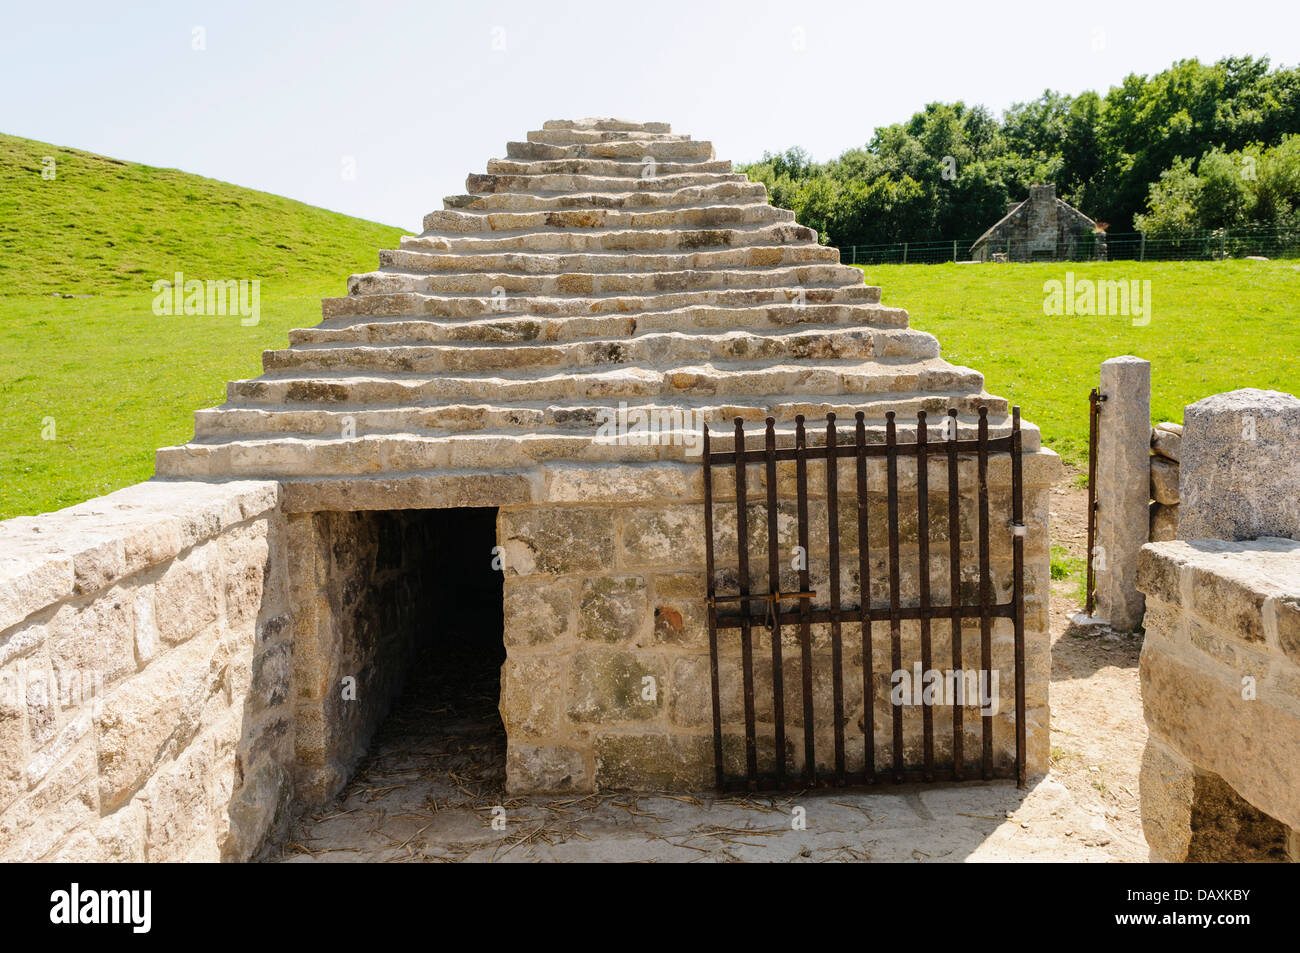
(1123, 489)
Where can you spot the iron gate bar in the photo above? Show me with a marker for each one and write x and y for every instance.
(895, 620)
(954, 590)
(923, 563)
(713, 612)
(746, 645)
(774, 588)
(833, 541)
(986, 590)
(863, 614)
(864, 609)
(805, 634)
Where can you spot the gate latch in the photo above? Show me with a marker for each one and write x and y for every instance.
(771, 598)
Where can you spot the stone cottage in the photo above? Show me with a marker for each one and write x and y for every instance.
(1041, 228)
(521, 391)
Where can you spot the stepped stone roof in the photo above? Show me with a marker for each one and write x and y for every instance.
(602, 267)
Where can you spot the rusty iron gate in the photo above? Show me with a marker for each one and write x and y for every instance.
(775, 609)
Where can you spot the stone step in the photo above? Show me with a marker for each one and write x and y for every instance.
(607, 124)
(334, 455)
(714, 193)
(677, 151)
(656, 348)
(623, 168)
(616, 240)
(518, 330)
(459, 222)
(488, 184)
(255, 422)
(569, 137)
(412, 259)
(411, 304)
(624, 382)
(391, 281)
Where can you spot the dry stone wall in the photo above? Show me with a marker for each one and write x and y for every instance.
(145, 676)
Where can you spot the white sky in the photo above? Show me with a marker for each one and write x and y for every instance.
(417, 96)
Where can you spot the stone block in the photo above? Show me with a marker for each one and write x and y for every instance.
(545, 768)
(654, 762)
(1164, 522)
(1166, 441)
(608, 686)
(556, 540)
(1164, 481)
(614, 609)
(178, 806)
(245, 551)
(532, 696)
(537, 610)
(94, 643)
(187, 596)
(1240, 473)
(1165, 782)
(154, 715)
(671, 536)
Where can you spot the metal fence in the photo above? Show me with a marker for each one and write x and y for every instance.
(1129, 246)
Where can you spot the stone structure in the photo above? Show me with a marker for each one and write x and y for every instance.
(1123, 488)
(1221, 660)
(1220, 774)
(1041, 228)
(547, 348)
(1234, 444)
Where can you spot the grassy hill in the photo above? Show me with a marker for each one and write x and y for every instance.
(99, 373)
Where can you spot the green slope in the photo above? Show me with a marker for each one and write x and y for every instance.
(103, 376)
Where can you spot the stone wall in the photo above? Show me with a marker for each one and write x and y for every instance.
(363, 586)
(1221, 660)
(606, 683)
(1166, 442)
(145, 709)
(1221, 694)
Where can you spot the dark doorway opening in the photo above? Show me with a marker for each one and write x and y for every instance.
(443, 734)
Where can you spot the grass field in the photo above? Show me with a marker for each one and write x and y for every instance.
(90, 386)
(102, 375)
(1214, 326)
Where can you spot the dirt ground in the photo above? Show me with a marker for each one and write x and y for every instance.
(1097, 727)
(431, 788)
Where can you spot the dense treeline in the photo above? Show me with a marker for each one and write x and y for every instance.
(1193, 147)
